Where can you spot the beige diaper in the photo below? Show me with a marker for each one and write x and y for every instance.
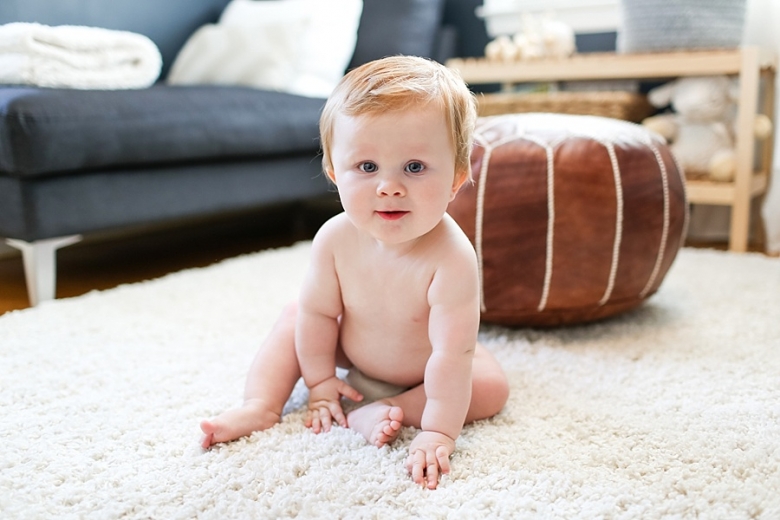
(372, 389)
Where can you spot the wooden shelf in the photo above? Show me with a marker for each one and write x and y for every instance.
(748, 63)
(599, 66)
(722, 193)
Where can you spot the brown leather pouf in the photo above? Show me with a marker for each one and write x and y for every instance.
(574, 218)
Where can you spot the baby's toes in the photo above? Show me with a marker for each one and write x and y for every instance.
(396, 414)
(207, 440)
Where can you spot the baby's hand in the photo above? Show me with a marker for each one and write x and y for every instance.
(429, 456)
(325, 404)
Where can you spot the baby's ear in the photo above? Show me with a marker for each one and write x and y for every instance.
(460, 179)
(331, 175)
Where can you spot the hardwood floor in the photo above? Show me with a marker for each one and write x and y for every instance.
(101, 263)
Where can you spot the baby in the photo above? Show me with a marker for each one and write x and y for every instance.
(392, 291)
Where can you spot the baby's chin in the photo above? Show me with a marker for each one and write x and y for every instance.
(397, 237)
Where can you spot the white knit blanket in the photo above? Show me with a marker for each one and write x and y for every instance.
(70, 56)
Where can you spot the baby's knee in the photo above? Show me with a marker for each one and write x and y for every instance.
(493, 388)
(286, 319)
(289, 312)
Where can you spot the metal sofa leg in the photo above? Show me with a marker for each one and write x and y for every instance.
(40, 265)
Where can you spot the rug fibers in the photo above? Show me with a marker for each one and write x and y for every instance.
(670, 411)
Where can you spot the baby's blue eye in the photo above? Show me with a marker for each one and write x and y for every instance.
(415, 167)
(368, 167)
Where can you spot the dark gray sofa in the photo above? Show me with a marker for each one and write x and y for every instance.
(74, 162)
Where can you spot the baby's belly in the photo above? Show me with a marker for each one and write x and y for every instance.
(391, 357)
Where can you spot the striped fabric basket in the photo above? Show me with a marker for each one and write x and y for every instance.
(664, 25)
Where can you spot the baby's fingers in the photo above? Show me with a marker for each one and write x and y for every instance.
(318, 419)
(324, 414)
(313, 421)
(444, 459)
(416, 466)
(349, 392)
(427, 466)
(432, 470)
(338, 415)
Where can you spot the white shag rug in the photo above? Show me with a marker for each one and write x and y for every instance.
(670, 411)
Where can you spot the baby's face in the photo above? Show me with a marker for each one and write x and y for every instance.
(394, 171)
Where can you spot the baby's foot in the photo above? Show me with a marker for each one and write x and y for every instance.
(378, 422)
(252, 416)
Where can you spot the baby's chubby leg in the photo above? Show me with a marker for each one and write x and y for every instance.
(489, 386)
(489, 392)
(380, 422)
(270, 381)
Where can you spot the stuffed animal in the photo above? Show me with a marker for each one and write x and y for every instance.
(701, 129)
(542, 37)
(502, 48)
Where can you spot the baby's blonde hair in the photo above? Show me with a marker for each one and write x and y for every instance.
(399, 83)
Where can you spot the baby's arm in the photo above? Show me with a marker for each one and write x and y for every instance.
(452, 327)
(316, 336)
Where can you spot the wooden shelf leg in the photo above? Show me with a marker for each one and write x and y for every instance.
(740, 226)
(746, 113)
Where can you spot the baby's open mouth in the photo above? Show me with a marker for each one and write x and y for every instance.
(392, 215)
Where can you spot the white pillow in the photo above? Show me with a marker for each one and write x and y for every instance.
(327, 45)
(262, 56)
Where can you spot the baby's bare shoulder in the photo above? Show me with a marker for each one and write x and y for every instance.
(334, 226)
(455, 245)
(457, 269)
(334, 232)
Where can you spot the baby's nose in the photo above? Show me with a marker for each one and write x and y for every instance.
(390, 187)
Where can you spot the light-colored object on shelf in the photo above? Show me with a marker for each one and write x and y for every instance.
(531, 41)
(502, 48)
(557, 38)
(701, 129)
(297, 46)
(584, 16)
(750, 63)
(542, 37)
(72, 56)
(661, 25)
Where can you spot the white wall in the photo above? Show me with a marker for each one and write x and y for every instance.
(761, 28)
(584, 16)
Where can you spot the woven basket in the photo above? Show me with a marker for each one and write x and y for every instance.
(627, 106)
(663, 25)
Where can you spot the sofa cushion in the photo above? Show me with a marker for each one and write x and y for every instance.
(397, 27)
(325, 46)
(45, 131)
